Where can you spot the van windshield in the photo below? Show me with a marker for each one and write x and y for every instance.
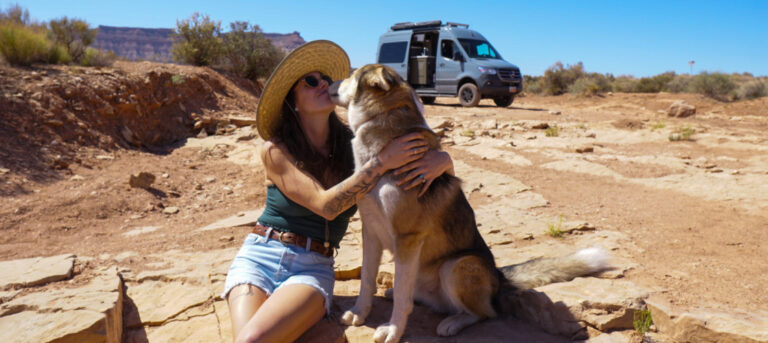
(479, 48)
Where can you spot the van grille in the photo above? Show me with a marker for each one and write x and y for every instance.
(509, 74)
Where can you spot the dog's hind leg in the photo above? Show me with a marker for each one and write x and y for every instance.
(372, 250)
(407, 253)
(470, 285)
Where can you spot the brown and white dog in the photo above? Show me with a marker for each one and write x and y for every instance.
(440, 258)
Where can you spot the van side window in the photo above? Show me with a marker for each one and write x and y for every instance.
(446, 49)
(393, 52)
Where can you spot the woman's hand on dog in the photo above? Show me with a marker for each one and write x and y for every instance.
(423, 171)
(403, 150)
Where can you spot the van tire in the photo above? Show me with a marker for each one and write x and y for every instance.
(504, 101)
(428, 100)
(469, 96)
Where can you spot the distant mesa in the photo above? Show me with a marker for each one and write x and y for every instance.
(135, 43)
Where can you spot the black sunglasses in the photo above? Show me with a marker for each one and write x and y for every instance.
(313, 82)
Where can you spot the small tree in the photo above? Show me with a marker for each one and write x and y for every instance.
(15, 14)
(558, 78)
(73, 34)
(247, 52)
(197, 40)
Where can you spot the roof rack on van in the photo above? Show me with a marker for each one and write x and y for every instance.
(411, 25)
(466, 26)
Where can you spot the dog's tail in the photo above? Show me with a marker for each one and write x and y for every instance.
(543, 271)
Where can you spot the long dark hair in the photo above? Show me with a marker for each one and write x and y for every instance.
(329, 170)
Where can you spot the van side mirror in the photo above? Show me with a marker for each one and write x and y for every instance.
(457, 56)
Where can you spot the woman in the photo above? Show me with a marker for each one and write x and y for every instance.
(281, 281)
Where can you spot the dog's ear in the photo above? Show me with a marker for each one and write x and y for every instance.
(380, 78)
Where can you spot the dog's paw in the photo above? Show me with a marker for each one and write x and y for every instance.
(353, 317)
(453, 324)
(387, 333)
(448, 328)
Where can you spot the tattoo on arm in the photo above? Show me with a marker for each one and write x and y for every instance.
(348, 195)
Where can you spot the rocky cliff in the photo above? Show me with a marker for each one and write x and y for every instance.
(135, 43)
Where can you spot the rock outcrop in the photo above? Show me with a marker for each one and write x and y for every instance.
(147, 44)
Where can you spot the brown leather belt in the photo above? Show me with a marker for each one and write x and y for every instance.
(295, 239)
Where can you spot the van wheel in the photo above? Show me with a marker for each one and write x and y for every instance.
(428, 100)
(503, 101)
(469, 96)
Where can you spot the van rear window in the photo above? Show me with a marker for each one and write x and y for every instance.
(392, 52)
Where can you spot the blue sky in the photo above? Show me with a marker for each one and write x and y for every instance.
(620, 37)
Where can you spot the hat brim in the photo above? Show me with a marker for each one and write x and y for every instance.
(321, 55)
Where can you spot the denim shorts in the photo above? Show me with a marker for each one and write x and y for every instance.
(269, 264)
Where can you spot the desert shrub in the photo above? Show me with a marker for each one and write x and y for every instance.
(97, 58)
(679, 84)
(532, 84)
(714, 85)
(20, 45)
(57, 54)
(197, 40)
(624, 83)
(558, 78)
(73, 34)
(751, 90)
(654, 84)
(590, 85)
(247, 52)
(552, 131)
(684, 133)
(15, 14)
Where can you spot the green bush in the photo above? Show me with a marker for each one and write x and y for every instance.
(532, 84)
(247, 52)
(654, 84)
(57, 54)
(679, 84)
(72, 34)
(22, 46)
(97, 58)
(197, 40)
(590, 85)
(714, 85)
(558, 78)
(625, 84)
(751, 90)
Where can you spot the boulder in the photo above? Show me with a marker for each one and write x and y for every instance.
(681, 109)
(142, 180)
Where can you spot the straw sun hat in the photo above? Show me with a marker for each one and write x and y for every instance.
(321, 55)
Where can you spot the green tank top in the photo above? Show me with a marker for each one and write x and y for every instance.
(283, 214)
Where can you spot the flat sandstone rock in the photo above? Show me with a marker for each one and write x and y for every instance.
(36, 271)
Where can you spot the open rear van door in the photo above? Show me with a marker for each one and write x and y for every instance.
(393, 52)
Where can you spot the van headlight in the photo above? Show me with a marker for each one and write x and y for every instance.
(486, 70)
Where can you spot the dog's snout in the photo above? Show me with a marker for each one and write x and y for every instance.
(333, 89)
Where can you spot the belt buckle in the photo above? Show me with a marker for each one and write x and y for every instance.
(280, 238)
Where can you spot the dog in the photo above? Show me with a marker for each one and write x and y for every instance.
(441, 260)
